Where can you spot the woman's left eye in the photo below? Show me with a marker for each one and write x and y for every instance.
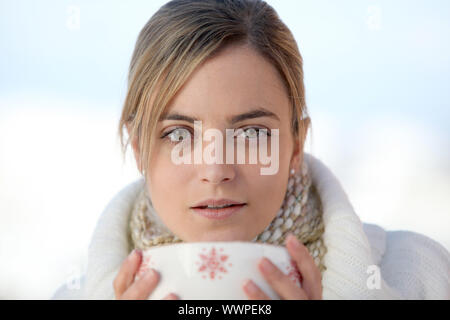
(253, 132)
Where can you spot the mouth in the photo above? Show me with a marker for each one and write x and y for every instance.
(218, 212)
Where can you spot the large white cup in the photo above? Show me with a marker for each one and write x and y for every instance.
(213, 270)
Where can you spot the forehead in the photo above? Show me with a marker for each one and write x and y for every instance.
(235, 81)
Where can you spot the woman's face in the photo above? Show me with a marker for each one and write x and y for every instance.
(234, 82)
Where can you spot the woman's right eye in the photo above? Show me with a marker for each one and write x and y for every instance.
(177, 135)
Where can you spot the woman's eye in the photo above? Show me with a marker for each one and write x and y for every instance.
(253, 133)
(178, 135)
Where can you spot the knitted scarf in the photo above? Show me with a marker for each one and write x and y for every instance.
(300, 214)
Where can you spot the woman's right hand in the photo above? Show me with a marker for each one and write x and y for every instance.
(125, 288)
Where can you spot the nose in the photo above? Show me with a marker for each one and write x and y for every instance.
(216, 173)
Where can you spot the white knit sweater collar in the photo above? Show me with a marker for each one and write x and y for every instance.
(347, 259)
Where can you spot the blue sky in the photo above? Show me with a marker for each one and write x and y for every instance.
(361, 57)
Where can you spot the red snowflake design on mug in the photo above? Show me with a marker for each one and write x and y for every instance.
(213, 263)
(293, 272)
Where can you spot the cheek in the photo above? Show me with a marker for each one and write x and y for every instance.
(268, 195)
(167, 186)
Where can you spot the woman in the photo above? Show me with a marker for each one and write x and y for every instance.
(233, 66)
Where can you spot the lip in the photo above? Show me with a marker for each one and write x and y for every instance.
(219, 214)
(216, 202)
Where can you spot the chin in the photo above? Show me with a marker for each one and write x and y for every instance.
(225, 235)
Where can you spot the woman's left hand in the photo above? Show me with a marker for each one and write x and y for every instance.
(311, 279)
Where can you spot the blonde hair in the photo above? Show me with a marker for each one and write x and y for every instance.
(184, 33)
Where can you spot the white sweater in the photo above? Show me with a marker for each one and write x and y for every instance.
(406, 264)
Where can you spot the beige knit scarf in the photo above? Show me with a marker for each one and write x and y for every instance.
(300, 214)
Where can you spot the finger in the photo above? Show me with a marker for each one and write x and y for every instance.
(280, 282)
(312, 278)
(253, 291)
(127, 272)
(171, 296)
(141, 288)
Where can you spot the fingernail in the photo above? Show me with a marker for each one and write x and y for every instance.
(288, 236)
(138, 252)
(293, 241)
(173, 296)
(250, 286)
(267, 265)
(150, 273)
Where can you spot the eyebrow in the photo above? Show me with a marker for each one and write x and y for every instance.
(253, 114)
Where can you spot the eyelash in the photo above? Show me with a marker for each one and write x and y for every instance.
(165, 135)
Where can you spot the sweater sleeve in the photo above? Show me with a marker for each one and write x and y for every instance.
(108, 248)
(416, 266)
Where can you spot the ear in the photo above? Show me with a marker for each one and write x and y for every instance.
(135, 147)
(297, 155)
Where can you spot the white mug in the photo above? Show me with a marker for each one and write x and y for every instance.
(213, 270)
